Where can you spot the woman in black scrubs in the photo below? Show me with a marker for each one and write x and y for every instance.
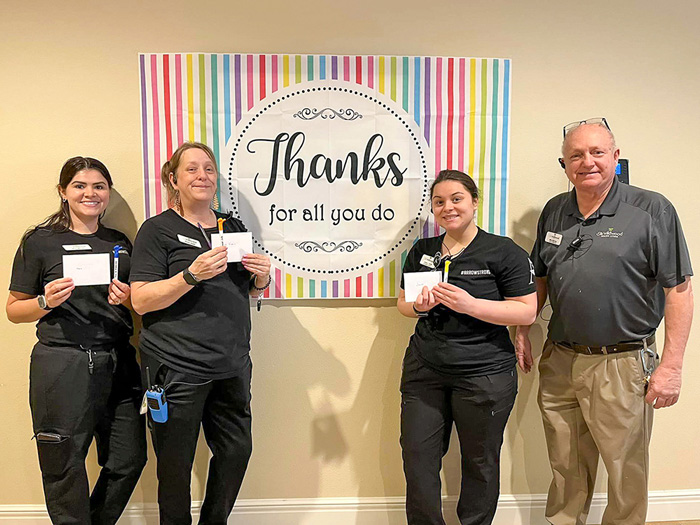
(84, 379)
(460, 363)
(195, 340)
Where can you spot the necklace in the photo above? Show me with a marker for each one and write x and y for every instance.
(450, 254)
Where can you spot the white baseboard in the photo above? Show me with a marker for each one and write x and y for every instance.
(513, 509)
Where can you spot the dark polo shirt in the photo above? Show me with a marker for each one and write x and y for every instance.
(609, 288)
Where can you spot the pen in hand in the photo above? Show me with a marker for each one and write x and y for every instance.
(116, 261)
(221, 230)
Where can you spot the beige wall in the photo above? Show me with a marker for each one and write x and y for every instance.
(326, 404)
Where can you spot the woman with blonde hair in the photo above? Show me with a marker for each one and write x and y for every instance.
(195, 340)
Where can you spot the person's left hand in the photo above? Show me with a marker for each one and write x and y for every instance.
(257, 264)
(453, 297)
(118, 292)
(664, 387)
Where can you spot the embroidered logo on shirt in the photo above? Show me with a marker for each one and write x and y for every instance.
(610, 234)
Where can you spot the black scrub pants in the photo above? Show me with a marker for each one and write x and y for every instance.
(479, 407)
(71, 403)
(222, 408)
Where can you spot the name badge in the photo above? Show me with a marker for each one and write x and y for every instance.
(187, 240)
(427, 260)
(76, 247)
(553, 238)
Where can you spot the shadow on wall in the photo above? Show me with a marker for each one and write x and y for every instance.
(119, 215)
(524, 436)
(308, 387)
(285, 447)
(372, 424)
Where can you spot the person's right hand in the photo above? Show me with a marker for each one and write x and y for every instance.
(523, 349)
(210, 264)
(425, 300)
(58, 291)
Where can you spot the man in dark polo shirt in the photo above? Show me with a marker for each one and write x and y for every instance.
(614, 262)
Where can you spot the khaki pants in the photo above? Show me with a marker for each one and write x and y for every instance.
(593, 406)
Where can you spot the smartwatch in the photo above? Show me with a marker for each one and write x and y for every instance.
(41, 299)
(189, 277)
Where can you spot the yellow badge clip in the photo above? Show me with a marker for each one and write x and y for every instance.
(447, 270)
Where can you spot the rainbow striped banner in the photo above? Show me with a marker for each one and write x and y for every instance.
(461, 106)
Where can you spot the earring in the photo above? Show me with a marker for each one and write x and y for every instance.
(178, 204)
(215, 202)
(64, 200)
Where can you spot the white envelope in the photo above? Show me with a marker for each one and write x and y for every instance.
(87, 269)
(238, 244)
(415, 281)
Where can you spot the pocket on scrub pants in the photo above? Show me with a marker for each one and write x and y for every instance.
(54, 452)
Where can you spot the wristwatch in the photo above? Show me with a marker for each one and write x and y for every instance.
(189, 277)
(41, 299)
(419, 313)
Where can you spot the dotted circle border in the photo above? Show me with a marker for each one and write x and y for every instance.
(376, 101)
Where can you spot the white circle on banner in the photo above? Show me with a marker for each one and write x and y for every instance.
(329, 178)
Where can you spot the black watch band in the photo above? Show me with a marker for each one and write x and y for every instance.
(189, 277)
(419, 313)
(41, 299)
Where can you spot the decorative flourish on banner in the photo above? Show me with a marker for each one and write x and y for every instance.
(328, 246)
(327, 113)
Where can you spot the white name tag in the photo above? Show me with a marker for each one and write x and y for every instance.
(553, 238)
(76, 247)
(187, 240)
(427, 260)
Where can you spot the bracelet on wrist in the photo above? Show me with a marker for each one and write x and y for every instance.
(419, 313)
(269, 280)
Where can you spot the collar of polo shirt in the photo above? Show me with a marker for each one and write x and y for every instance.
(609, 206)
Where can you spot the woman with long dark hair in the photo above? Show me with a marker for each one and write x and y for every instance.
(84, 380)
(195, 340)
(460, 363)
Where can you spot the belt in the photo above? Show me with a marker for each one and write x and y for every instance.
(608, 349)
